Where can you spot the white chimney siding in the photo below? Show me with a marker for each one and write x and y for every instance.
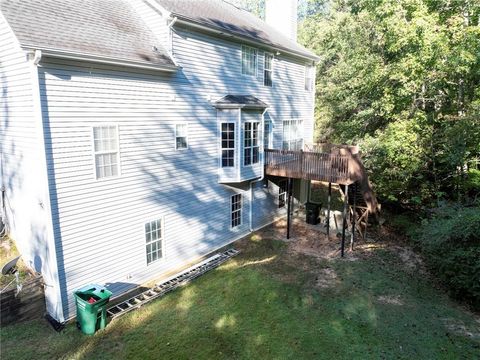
(282, 15)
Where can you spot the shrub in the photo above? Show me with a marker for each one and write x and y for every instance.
(450, 241)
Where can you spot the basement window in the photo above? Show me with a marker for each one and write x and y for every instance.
(181, 136)
(236, 210)
(154, 240)
(106, 152)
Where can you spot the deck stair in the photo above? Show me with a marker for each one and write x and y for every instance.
(170, 284)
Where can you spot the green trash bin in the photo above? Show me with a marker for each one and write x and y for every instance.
(91, 302)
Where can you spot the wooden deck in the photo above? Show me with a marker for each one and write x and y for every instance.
(328, 167)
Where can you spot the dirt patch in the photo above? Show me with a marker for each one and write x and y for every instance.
(458, 327)
(390, 299)
(326, 278)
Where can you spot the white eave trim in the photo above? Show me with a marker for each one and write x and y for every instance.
(245, 39)
(100, 59)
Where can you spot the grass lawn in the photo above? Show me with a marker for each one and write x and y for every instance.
(273, 301)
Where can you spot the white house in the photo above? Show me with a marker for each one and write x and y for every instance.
(133, 133)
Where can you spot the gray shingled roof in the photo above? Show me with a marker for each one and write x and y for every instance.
(224, 16)
(102, 28)
(243, 101)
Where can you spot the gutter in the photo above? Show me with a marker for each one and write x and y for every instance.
(245, 39)
(259, 179)
(99, 59)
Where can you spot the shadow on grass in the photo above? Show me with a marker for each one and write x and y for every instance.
(245, 309)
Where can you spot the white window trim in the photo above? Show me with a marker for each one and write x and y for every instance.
(235, 150)
(256, 61)
(301, 132)
(162, 224)
(187, 137)
(231, 212)
(251, 146)
(308, 70)
(271, 68)
(269, 134)
(119, 167)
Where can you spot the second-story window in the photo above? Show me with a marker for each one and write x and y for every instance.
(105, 146)
(181, 136)
(249, 61)
(268, 70)
(292, 134)
(309, 77)
(267, 134)
(251, 149)
(228, 144)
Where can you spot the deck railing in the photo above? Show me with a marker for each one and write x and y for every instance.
(308, 165)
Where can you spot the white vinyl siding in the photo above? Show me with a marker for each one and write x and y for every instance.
(268, 70)
(249, 60)
(105, 145)
(236, 210)
(251, 149)
(292, 134)
(154, 240)
(181, 136)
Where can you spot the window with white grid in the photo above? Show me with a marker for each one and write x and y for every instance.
(309, 77)
(236, 210)
(105, 144)
(228, 144)
(249, 61)
(181, 136)
(292, 134)
(268, 70)
(267, 134)
(251, 149)
(154, 240)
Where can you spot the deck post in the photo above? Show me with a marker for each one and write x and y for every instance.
(328, 207)
(289, 201)
(344, 224)
(354, 214)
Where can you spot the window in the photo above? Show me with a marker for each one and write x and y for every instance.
(251, 148)
(228, 144)
(268, 70)
(154, 240)
(282, 193)
(236, 210)
(181, 136)
(309, 77)
(292, 134)
(105, 144)
(249, 61)
(267, 134)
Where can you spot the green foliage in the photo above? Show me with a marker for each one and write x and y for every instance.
(401, 78)
(451, 244)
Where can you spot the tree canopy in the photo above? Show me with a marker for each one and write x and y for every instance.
(402, 79)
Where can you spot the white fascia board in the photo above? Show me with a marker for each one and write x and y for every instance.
(99, 59)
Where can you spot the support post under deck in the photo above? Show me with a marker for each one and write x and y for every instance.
(354, 214)
(328, 208)
(344, 224)
(289, 202)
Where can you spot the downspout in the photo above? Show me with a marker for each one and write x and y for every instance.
(261, 177)
(55, 306)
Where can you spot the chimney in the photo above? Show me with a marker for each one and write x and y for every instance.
(282, 15)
